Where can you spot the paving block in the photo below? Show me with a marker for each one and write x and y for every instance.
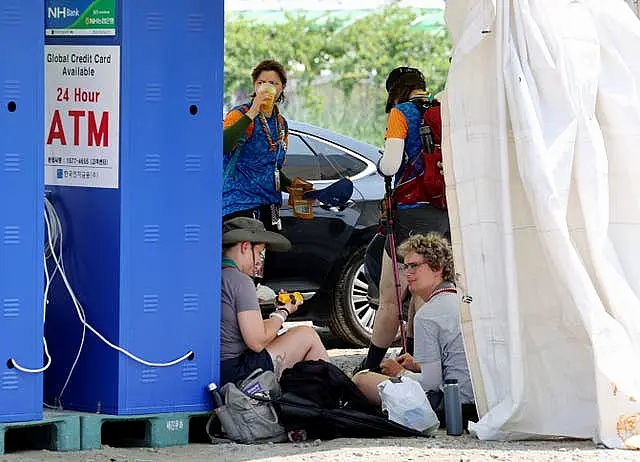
(146, 430)
(57, 431)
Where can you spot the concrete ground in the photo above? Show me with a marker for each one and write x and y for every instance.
(439, 448)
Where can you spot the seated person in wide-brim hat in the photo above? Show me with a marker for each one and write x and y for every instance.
(249, 342)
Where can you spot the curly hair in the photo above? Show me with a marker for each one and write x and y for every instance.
(436, 251)
(270, 65)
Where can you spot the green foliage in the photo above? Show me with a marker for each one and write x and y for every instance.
(336, 70)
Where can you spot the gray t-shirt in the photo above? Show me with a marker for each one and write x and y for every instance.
(438, 342)
(238, 294)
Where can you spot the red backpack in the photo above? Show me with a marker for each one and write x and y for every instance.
(429, 186)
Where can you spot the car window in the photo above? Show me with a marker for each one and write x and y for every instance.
(301, 161)
(334, 163)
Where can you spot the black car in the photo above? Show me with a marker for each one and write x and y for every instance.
(326, 261)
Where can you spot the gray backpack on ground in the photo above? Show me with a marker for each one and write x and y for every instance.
(248, 420)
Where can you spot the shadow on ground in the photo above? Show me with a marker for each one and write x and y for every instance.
(332, 342)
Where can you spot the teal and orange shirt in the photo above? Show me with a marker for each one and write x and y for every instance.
(250, 166)
(404, 123)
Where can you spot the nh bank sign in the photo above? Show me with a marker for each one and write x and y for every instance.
(58, 12)
(80, 17)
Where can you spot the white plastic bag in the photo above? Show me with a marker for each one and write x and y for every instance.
(406, 403)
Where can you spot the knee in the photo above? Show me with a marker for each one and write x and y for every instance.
(303, 330)
(306, 332)
(358, 379)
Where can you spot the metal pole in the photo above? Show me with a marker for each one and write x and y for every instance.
(394, 261)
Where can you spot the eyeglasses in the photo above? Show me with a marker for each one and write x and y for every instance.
(411, 267)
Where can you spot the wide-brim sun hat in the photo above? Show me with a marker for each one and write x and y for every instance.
(244, 229)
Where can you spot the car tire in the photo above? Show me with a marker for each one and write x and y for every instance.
(351, 316)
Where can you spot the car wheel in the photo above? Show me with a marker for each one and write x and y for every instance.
(351, 317)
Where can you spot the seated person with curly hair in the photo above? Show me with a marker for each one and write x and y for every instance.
(439, 348)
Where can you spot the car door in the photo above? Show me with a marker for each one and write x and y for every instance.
(320, 242)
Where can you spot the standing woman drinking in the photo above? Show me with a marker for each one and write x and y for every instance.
(255, 146)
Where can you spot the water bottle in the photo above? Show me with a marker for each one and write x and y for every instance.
(226, 421)
(426, 136)
(452, 407)
(215, 395)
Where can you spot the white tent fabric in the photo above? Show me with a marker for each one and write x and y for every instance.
(541, 144)
(634, 5)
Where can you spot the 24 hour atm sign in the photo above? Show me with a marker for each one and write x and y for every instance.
(82, 115)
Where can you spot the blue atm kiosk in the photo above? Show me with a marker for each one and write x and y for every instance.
(21, 210)
(133, 169)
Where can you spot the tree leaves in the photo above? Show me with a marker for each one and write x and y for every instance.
(336, 68)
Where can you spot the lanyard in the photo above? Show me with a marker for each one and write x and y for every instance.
(229, 263)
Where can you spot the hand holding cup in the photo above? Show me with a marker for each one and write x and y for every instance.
(269, 91)
(263, 101)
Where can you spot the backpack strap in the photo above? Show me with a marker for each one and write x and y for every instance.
(426, 109)
(422, 105)
(411, 168)
(249, 131)
(231, 166)
(244, 108)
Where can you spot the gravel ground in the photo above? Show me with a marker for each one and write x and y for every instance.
(439, 448)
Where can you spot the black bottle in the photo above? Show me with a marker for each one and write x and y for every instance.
(215, 395)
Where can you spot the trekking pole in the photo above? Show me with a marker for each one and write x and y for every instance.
(394, 261)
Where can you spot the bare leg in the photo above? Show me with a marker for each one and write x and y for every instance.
(386, 324)
(368, 382)
(298, 344)
(414, 305)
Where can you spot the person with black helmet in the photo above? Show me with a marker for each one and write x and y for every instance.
(406, 88)
(247, 341)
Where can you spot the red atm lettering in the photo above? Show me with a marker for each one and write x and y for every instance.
(98, 135)
(56, 132)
